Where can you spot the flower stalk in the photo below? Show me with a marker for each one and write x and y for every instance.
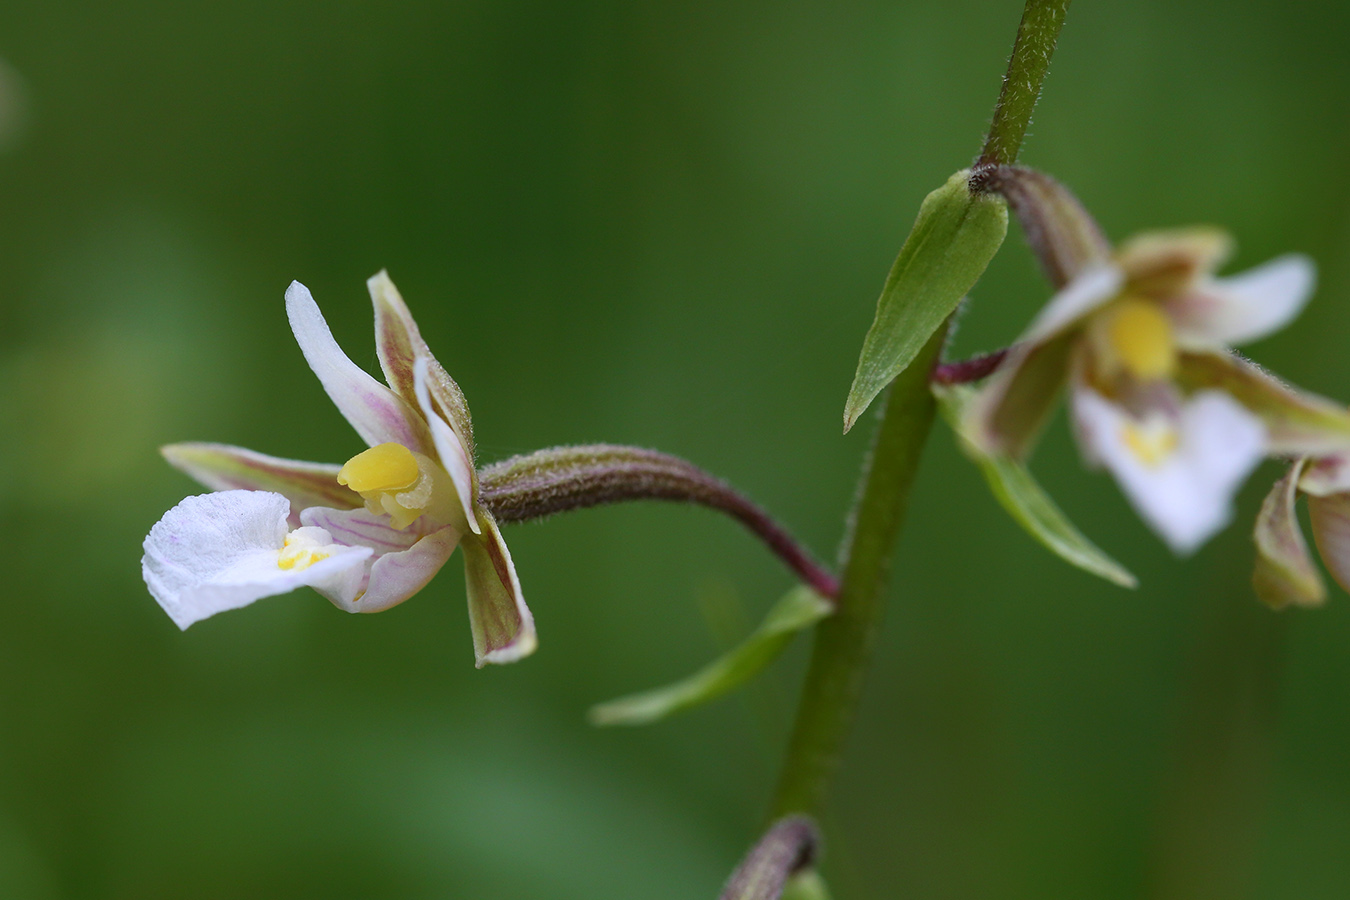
(844, 642)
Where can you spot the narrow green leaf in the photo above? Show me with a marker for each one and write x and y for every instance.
(1018, 493)
(800, 608)
(953, 239)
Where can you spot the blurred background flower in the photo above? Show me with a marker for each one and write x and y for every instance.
(672, 220)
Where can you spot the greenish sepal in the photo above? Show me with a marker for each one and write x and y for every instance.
(1284, 573)
(1018, 493)
(800, 608)
(953, 239)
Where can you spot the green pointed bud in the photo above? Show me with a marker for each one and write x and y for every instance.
(1018, 493)
(953, 239)
(799, 609)
(1284, 572)
(790, 847)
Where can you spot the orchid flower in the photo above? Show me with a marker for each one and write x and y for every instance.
(1156, 395)
(367, 534)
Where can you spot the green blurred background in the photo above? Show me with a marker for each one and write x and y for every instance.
(663, 224)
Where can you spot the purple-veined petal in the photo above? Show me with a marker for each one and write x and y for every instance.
(1325, 475)
(1297, 423)
(224, 468)
(399, 344)
(503, 628)
(1243, 308)
(1330, 517)
(1162, 264)
(1091, 290)
(1179, 471)
(377, 413)
(402, 560)
(221, 551)
(453, 454)
(1009, 411)
(1284, 571)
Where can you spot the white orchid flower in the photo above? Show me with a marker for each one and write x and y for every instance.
(1158, 398)
(367, 534)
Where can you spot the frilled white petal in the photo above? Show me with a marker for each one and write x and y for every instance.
(378, 414)
(403, 560)
(1091, 290)
(224, 468)
(1180, 481)
(1230, 311)
(221, 551)
(503, 627)
(454, 457)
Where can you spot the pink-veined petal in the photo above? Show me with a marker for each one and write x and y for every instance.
(453, 454)
(1162, 264)
(221, 551)
(1284, 572)
(224, 468)
(1230, 311)
(1330, 517)
(1184, 489)
(377, 413)
(1325, 475)
(1089, 291)
(503, 628)
(399, 344)
(1298, 423)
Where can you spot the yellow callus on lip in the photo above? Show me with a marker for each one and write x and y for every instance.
(1138, 336)
(384, 467)
(303, 548)
(1150, 442)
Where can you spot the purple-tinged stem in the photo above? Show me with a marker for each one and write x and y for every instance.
(561, 479)
(965, 371)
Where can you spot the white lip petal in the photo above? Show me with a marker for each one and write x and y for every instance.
(1231, 311)
(1089, 291)
(378, 414)
(449, 448)
(220, 551)
(1185, 496)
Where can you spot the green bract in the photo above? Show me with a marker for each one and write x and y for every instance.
(1018, 493)
(953, 239)
(800, 608)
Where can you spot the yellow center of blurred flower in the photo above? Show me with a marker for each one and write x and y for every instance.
(302, 550)
(1150, 442)
(384, 467)
(394, 481)
(1140, 338)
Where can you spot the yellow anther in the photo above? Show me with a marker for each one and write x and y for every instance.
(384, 467)
(1150, 442)
(1139, 336)
(303, 548)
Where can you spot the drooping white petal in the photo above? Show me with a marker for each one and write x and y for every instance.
(224, 468)
(403, 560)
(503, 627)
(454, 457)
(221, 551)
(378, 414)
(1230, 311)
(1089, 291)
(1179, 472)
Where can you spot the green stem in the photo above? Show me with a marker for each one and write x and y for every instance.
(1036, 37)
(843, 643)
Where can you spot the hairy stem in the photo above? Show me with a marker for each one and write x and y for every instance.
(1036, 37)
(844, 641)
(967, 370)
(565, 478)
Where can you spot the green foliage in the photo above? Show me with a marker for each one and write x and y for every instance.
(953, 239)
(1018, 493)
(800, 608)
